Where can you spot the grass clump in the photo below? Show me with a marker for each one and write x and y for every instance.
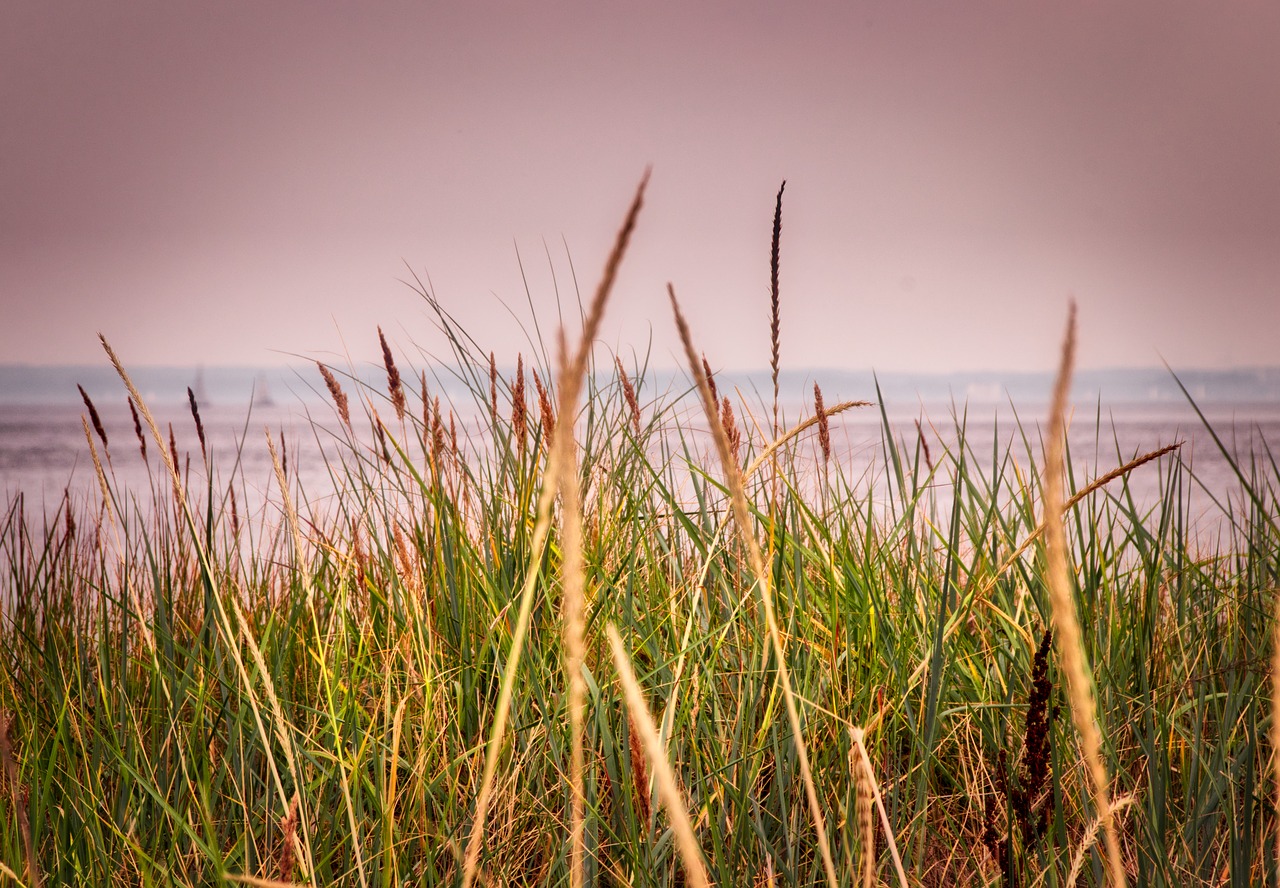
(547, 646)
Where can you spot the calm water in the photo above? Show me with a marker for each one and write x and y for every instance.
(43, 451)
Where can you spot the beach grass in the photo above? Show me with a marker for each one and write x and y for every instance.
(628, 636)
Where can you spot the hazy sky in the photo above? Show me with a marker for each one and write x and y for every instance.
(226, 182)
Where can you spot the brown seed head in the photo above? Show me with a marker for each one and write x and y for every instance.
(629, 392)
(93, 417)
(336, 392)
(824, 427)
(394, 386)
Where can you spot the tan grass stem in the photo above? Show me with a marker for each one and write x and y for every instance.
(668, 787)
(742, 517)
(569, 389)
(1066, 621)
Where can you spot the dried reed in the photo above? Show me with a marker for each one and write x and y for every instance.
(493, 388)
(1066, 623)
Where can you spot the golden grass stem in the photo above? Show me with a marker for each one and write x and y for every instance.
(668, 787)
(569, 389)
(742, 517)
(1066, 621)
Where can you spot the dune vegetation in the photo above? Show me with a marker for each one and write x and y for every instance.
(611, 635)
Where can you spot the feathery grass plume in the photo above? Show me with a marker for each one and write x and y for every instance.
(394, 387)
(924, 446)
(668, 787)
(774, 327)
(68, 520)
(742, 518)
(711, 379)
(781, 441)
(519, 420)
(544, 405)
(94, 417)
(337, 394)
(1091, 836)
(195, 413)
(137, 429)
(453, 438)
(569, 390)
(629, 393)
(284, 453)
(824, 427)
(287, 855)
(437, 430)
(493, 388)
(18, 797)
(730, 426)
(1066, 622)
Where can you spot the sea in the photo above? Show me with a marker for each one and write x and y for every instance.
(45, 458)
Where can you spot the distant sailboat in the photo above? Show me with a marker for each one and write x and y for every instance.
(262, 393)
(198, 388)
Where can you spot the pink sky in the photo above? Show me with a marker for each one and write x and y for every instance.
(226, 183)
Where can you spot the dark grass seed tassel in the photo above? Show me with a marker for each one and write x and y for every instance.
(774, 325)
(336, 392)
(824, 427)
(137, 429)
(93, 417)
(394, 386)
(195, 413)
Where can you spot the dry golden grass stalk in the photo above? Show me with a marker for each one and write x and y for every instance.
(742, 517)
(337, 394)
(824, 427)
(19, 802)
(629, 393)
(94, 417)
(668, 788)
(1066, 622)
(394, 387)
(781, 441)
(569, 390)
